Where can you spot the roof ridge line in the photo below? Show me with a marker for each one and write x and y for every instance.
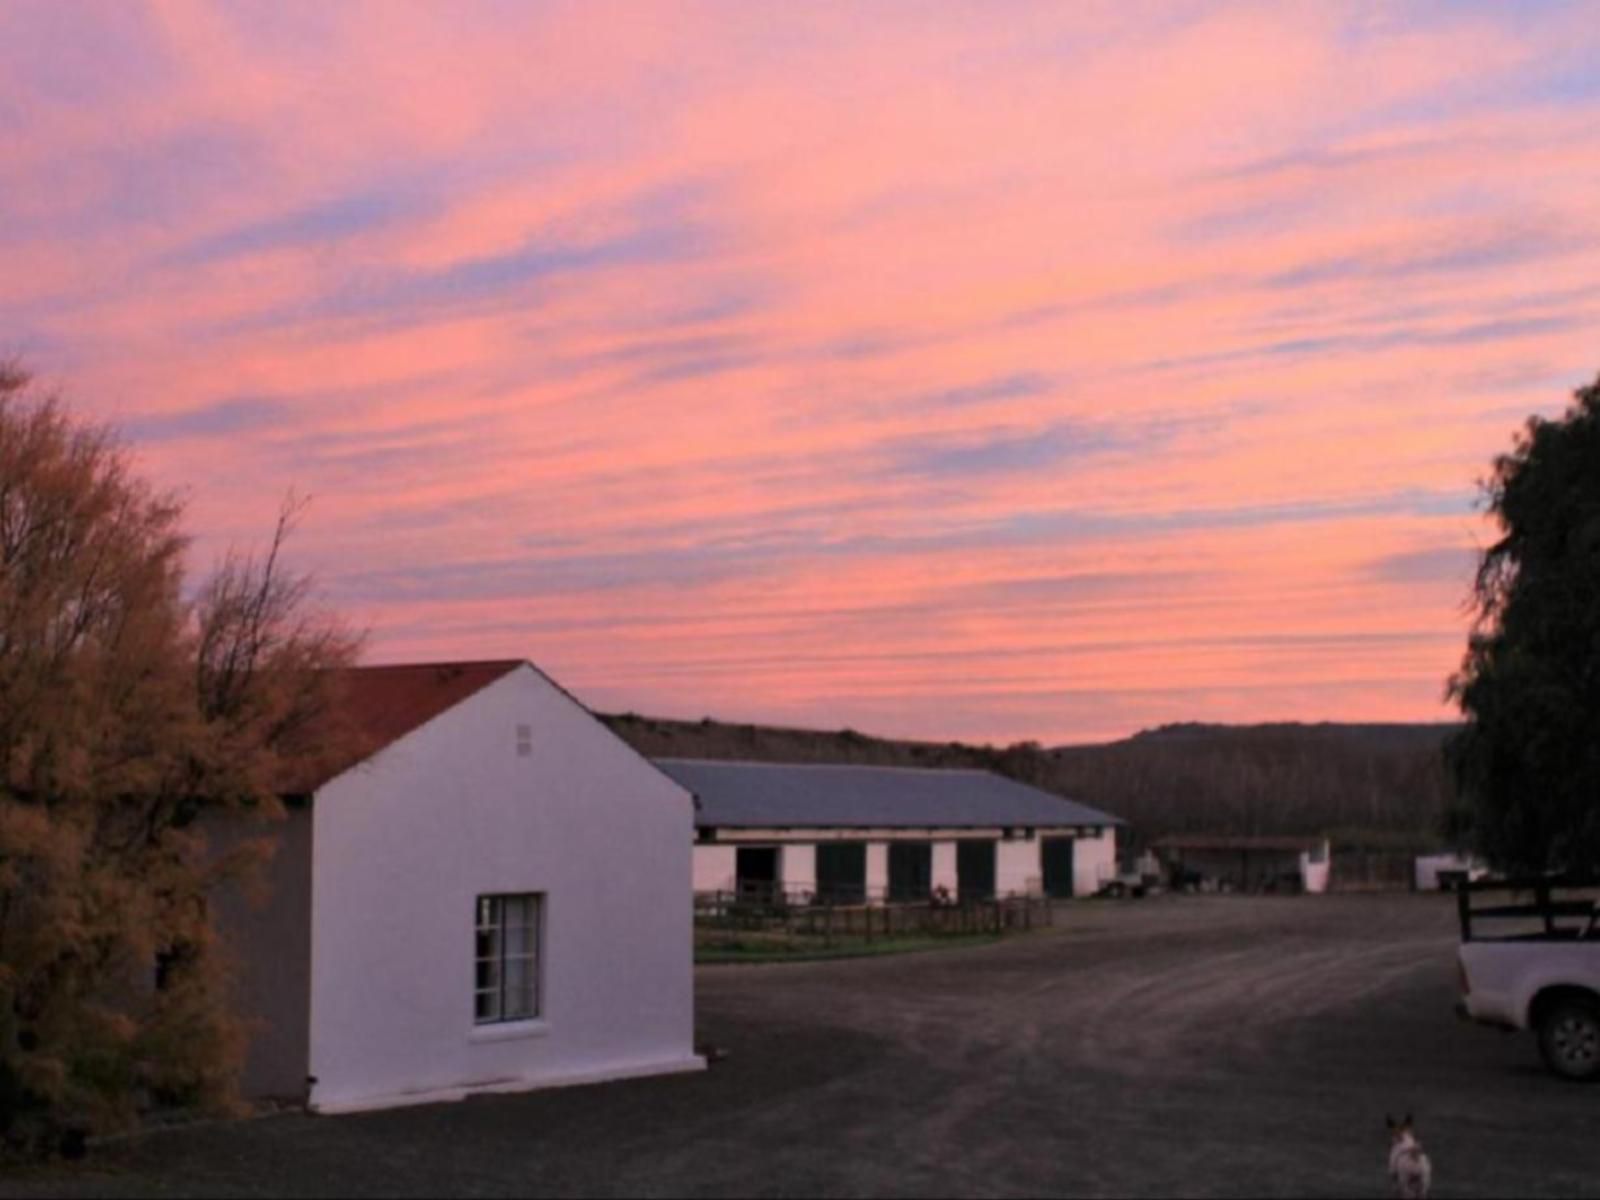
(757, 762)
(439, 664)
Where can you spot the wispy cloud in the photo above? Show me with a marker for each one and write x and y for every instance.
(1010, 386)
(1439, 564)
(226, 418)
(1474, 252)
(315, 226)
(991, 453)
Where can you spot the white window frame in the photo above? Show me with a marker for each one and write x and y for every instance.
(508, 953)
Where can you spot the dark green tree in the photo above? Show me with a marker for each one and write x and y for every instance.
(1527, 762)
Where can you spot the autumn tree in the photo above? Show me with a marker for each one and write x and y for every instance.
(1527, 762)
(133, 720)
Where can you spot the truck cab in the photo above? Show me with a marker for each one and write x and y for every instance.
(1530, 960)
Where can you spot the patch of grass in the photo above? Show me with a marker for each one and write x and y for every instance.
(718, 947)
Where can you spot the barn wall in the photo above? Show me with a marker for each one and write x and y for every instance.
(944, 866)
(877, 869)
(1017, 862)
(408, 841)
(1094, 860)
(714, 868)
(798, 867)
(1017, 869)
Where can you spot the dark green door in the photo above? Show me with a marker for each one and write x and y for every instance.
(975, 870)
(910, 870)
(1055, 863)
(841, 872)
(755, 870)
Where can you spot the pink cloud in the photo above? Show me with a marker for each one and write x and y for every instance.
(929, 373)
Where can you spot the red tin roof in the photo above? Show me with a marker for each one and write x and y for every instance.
(380, 705)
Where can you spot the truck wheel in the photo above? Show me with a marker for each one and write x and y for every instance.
(1569, 1039)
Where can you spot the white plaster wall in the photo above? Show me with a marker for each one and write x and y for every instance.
(1314, 866)
(1094, 860)
(1017, 867)
(944, 866)
(797, 863)
(877, 870)
(408, 840)
(714, 868)
(1313, 875)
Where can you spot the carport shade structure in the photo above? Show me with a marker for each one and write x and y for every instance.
(963, 831)
(1247, 860)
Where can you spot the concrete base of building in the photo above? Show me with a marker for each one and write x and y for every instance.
(336, 1106)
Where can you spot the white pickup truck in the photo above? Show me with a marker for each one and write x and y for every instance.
(1530, 959)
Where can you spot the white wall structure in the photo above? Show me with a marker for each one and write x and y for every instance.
(798, 867)
(715, 868)
(407, 841)
(1017, 869)
(944, 867)
(1094, 860)
(1314, 868)
(877, 868)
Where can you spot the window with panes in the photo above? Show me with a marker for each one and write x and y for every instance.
(506, 971)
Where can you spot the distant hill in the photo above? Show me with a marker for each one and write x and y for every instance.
(1376, 733)
(1371, 784)
(1363, 784)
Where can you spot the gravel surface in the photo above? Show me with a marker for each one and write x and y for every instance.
(1207, 1046)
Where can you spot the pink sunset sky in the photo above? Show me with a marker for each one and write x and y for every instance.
(944, 370)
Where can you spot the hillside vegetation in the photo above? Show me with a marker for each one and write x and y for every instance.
(1375, 785)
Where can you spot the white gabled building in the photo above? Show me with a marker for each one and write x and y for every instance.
(492, 898)
(850, 833)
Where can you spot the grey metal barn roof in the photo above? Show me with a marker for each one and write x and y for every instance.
(754, 795)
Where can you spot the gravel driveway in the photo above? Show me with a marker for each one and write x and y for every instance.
(1215, 1046)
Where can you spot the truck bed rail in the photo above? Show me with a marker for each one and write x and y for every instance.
(1557, 907)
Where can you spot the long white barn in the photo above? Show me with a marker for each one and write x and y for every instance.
(853, 834)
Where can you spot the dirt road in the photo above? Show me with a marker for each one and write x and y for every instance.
(1209, 1046)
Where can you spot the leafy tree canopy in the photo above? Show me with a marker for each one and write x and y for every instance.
(1527, 762)
(132, 721)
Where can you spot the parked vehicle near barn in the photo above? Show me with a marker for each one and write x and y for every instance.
(1138, 878)
(1444, 872)
(1534, 964)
